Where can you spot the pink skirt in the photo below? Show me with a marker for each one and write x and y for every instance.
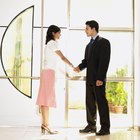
(46, 94)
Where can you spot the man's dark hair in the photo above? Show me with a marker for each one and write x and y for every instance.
(93, 24)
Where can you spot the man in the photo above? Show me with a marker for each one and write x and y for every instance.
(97, 57)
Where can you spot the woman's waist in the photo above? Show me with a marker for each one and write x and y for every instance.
(52, 67)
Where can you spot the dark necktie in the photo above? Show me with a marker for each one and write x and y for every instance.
(90, 45)
(91, 41)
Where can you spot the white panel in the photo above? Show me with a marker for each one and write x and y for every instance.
(11, 8)
(36, 51)
(1, 34)
(1, 70)
(109, 13)
(120, 42)
(137, 65)
(55, 12)
(2, 29)
(15, 108)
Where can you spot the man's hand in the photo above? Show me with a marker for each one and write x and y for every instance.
(76, 69)
(99, 83)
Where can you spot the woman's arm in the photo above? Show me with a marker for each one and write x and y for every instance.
(63, 58)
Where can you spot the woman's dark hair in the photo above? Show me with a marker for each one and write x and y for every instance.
(93, 24)
(52, 29)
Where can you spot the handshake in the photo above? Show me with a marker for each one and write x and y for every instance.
(76, 69)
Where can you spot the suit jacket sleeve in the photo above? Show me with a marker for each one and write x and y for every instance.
(83, 64)
(104, 59)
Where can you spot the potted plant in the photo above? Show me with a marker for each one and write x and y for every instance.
(110, 94)
(120, 100)
(116, 95)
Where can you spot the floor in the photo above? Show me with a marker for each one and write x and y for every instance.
(33, 133)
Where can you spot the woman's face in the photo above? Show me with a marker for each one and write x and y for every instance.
(57, 35)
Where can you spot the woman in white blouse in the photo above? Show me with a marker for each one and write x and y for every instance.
(46, 94)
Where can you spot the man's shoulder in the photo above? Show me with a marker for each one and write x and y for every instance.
(103, 42)
(102, 39)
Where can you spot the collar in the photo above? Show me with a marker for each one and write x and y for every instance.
(94, 37)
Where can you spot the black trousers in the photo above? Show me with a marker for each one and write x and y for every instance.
(96, 99)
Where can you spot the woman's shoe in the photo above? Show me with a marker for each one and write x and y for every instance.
(45, 128)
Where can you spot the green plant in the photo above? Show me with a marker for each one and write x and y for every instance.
(120, 96)
(111, 91)
(115, 93)
(121, 72)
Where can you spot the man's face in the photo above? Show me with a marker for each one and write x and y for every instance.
(89, 31)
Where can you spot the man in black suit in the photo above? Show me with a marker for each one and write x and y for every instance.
(96, 60)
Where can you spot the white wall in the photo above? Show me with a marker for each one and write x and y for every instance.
(15, 108)
(137, 65)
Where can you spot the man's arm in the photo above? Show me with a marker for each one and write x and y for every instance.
(103, 60)
(82, 65)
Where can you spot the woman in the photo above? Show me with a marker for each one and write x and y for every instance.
(46, 94)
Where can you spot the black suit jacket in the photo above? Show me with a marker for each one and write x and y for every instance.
(96, 60)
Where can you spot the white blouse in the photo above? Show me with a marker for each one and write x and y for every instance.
(50, 57)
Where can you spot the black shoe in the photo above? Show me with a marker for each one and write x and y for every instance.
(88, 129)
(102, 132)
